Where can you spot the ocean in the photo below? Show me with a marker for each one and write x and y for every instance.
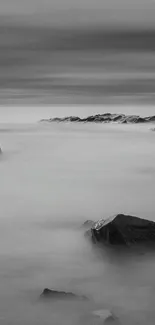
(54, 177)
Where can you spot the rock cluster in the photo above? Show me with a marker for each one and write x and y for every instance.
(104, 118)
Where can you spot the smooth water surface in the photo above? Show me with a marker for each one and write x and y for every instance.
(53, 177)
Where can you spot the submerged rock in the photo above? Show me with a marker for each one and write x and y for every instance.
(88, 224)
(123, 229)
(104, 118)
(59, 295)
(100, 317)
(106, 316)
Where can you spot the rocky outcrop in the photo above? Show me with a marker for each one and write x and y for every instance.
(104, 118)
(123, 230)
(59, 295)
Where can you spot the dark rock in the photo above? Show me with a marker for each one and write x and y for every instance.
(123, 229)
(116, 117)
(59, 295)
(74, 119)
(105, 118)
(150, 118)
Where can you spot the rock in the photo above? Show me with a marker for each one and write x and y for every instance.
(123, 229)
(59, 295)
(106, 316)
(150, 118)
(105, 118)
(100, 317)
(88, 224)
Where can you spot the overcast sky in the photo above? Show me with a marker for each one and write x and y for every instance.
(127, 12)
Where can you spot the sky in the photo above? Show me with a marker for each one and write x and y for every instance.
(54, 65)
(139, 13)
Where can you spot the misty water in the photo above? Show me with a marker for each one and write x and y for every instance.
(53, 177)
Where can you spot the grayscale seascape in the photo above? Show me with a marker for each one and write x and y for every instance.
(77, 162)
(53, 178)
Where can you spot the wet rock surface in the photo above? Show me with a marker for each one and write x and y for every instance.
(59, 295)
(123, 229)
(104, 118)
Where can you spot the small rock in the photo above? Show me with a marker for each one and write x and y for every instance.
(88, 224)
(106, 316)
(55, 294)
